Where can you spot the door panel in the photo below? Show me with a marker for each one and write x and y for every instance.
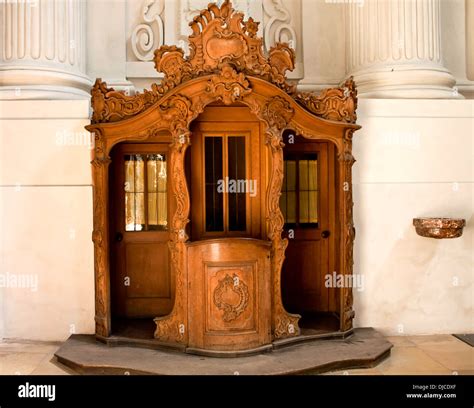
(142, 284)
(308, 205)
(146, 265)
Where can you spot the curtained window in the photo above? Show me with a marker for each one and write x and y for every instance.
(145, 187)
(299, 197)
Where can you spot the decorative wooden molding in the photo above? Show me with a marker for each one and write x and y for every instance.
(173, 328)
(278, 113)
(220, 36)
(111, 106)
(100, 233)
(346, 161)
(337, 104)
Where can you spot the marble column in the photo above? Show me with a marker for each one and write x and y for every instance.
(394, 49)
(42, 49)
(470, 39)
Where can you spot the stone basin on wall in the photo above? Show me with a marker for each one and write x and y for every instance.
(439, 228)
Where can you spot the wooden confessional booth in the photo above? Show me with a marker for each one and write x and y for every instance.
(222, 199)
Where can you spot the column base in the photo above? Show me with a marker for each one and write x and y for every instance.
(19, 83)
(406, 81)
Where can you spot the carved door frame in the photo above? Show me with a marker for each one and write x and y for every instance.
(226, 65)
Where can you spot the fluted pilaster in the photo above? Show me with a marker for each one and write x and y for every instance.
(42, 49)
(394, 49)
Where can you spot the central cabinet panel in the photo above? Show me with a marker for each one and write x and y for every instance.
(229, 294)
(228, 263)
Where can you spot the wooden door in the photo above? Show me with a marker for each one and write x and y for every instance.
(308, 205)
(142, 285)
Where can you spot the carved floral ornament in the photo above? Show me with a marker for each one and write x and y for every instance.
(226, 48)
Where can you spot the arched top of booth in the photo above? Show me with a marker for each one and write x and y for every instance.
(226, 64)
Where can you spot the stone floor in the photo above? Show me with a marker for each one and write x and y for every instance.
(418, 355)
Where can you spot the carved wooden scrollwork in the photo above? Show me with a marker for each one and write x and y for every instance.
(111, 106)
(277, 113)
(337, 104)
(173, 327)
(229, 86)
(237, 286)
(100, 165)
(347, 160)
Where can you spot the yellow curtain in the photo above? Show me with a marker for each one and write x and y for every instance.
(157, 192)
(134, 193)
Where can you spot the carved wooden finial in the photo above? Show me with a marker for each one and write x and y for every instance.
(220, 36)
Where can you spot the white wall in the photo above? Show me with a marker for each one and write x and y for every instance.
(46, 216)
(414, 159)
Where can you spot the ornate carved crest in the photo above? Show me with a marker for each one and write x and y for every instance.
(221, 36)
(227, 48)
